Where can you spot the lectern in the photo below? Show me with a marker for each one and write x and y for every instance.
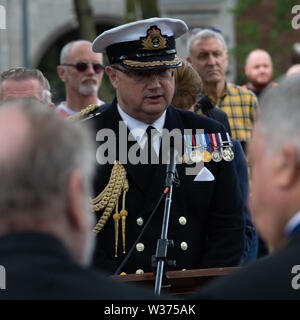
(179, 282)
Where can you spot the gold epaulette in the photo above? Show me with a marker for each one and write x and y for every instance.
(85, 114)
(108, 200)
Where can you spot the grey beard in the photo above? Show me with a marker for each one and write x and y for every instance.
(88, 89)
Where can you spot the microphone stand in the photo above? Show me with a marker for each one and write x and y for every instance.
(162, 244)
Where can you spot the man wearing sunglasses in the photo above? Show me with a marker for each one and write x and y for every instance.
(81, 70)
(206, 222)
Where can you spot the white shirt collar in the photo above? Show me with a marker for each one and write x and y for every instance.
(293, 223)
(138, 128)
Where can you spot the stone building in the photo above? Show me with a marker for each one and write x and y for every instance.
(37, 29)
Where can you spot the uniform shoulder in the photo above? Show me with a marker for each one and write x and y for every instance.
(191, 120)
(91, 111)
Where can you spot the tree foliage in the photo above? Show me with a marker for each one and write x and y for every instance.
(87, 28)
(269, 34)
(149, 8)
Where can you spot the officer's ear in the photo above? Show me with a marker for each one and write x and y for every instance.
(61, 71)
(112, 74)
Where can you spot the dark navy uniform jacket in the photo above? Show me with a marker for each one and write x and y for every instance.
(273, 277)
(213, 235)
(39, 267)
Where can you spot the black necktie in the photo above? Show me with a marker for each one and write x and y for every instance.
(152, 156)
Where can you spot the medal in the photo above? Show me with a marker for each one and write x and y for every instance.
(183, 159)
(225, 141)
(228, 154)
(207, 156)
(216, 155)
(204, 146)
(194, 149)
(196, 156)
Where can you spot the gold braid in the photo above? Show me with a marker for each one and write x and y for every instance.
(83, 112)
(108, 200)
(124, 213)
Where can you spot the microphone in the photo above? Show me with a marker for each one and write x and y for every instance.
(171, 166)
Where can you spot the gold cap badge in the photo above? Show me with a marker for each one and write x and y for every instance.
(154, 40)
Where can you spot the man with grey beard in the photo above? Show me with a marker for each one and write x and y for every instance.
(46, 239)
(82, 71)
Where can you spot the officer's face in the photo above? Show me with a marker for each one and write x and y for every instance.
(210, 59)
(144, 95)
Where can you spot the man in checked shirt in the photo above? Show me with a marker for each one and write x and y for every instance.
(208, 54)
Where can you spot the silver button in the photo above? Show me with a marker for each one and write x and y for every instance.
(139, 221)
(139, 271)
(183, 246)
(182, 221)
(140, 247)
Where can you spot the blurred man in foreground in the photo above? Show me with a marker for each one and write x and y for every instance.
(295, 68)
(274, 203)
(46, 243)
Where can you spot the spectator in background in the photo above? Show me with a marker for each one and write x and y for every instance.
(82, 71)
(188, 89)
(23, 82)
(293, 70)
(46, 239)
(209, 56)
(259, 71)
(275, 201)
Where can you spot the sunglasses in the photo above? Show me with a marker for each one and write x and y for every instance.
(82, 66)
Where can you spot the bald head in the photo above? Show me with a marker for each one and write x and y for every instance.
(258, 69)
(293, 70)
(257, 54)
(74, 47)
